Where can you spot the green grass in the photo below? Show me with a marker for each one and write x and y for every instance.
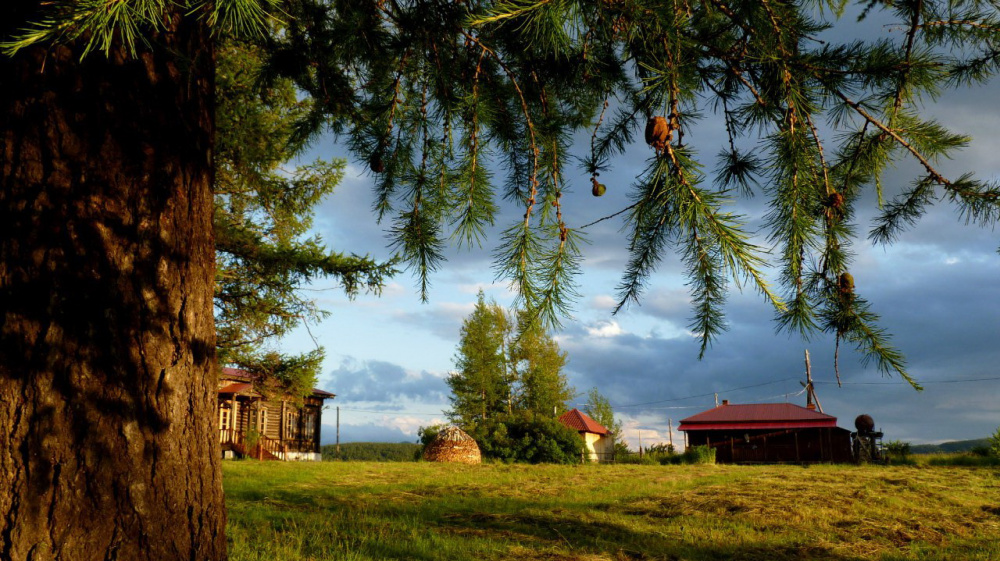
(426, 511)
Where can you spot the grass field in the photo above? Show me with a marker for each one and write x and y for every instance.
(425, 511)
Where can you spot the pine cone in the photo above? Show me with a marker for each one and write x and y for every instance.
(375, 162)
(835, 202)
(598, 189)
(657, 133)
(845, 283)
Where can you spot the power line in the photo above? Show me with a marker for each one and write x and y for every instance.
(704, 394)
(903, 383)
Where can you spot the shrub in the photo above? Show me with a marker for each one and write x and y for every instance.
(524, 437)
(982, 451)
(426, 435)
(699, 455)
(898, 448)
(898, 452)
(995, 444)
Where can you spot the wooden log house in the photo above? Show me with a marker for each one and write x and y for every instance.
(276, 427)
(769, 433)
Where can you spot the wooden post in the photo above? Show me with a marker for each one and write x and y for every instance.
(338, 431)
(316, 427)
(797, 457)
(670, 433)
(809, 382)
(282, 430)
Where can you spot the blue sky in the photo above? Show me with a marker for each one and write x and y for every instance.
(936, 289)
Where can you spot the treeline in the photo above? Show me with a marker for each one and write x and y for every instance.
(373, 452)
(951, 447)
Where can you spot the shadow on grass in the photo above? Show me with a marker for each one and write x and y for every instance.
(577, 538)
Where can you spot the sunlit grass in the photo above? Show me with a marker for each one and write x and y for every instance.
(367, 511)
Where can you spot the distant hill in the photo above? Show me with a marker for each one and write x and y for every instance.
(947, 447)
(372, 452)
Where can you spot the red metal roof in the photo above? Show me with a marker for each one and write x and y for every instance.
(578, 420)
(237, 387)
(238, 374)
(757, 416)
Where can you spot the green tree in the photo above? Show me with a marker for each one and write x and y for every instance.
(538, 364)
(508, 386)
(480, 385)
(264, 208)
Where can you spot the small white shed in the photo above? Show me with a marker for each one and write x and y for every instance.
(598, 441)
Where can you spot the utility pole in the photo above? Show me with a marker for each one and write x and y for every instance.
(716, 399)
(670, 432)
(338, 431)
(810, 389)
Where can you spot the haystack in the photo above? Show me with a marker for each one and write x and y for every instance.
(452, 444)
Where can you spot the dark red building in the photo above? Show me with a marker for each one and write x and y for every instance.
(769, 433)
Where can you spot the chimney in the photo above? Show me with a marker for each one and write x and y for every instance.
(725, 402)
(811, 406)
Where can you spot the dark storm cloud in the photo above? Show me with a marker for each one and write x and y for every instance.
(944, 316)
(378, 381)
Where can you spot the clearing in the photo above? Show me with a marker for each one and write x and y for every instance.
(426, 511)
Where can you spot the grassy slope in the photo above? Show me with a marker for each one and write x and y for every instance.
(424, 511)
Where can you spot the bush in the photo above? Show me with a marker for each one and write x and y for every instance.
(898, 448)
(426, 435)
(523, 437)
(699, 455)
(898, 452)
(983, 451)
(995, 444)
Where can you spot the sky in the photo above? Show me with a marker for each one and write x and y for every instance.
(936, 290)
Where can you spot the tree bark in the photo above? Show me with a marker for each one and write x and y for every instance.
(108, 432)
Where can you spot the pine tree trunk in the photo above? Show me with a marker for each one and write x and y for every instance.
(108, 432)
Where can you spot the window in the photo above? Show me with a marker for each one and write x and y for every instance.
(291, 425)
(308, 425)
(225, 419)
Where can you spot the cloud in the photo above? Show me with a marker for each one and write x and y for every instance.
(383, 382)
(605, 329)
(369, 432)
(443, 319)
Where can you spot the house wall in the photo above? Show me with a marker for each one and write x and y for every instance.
(296, 428)
(805, 445)
(599, 448)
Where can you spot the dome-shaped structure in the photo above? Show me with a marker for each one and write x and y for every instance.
(864, 423)
(452, 444)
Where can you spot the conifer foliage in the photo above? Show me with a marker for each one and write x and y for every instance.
(264, 207)
(437, 96)
(508, 387)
